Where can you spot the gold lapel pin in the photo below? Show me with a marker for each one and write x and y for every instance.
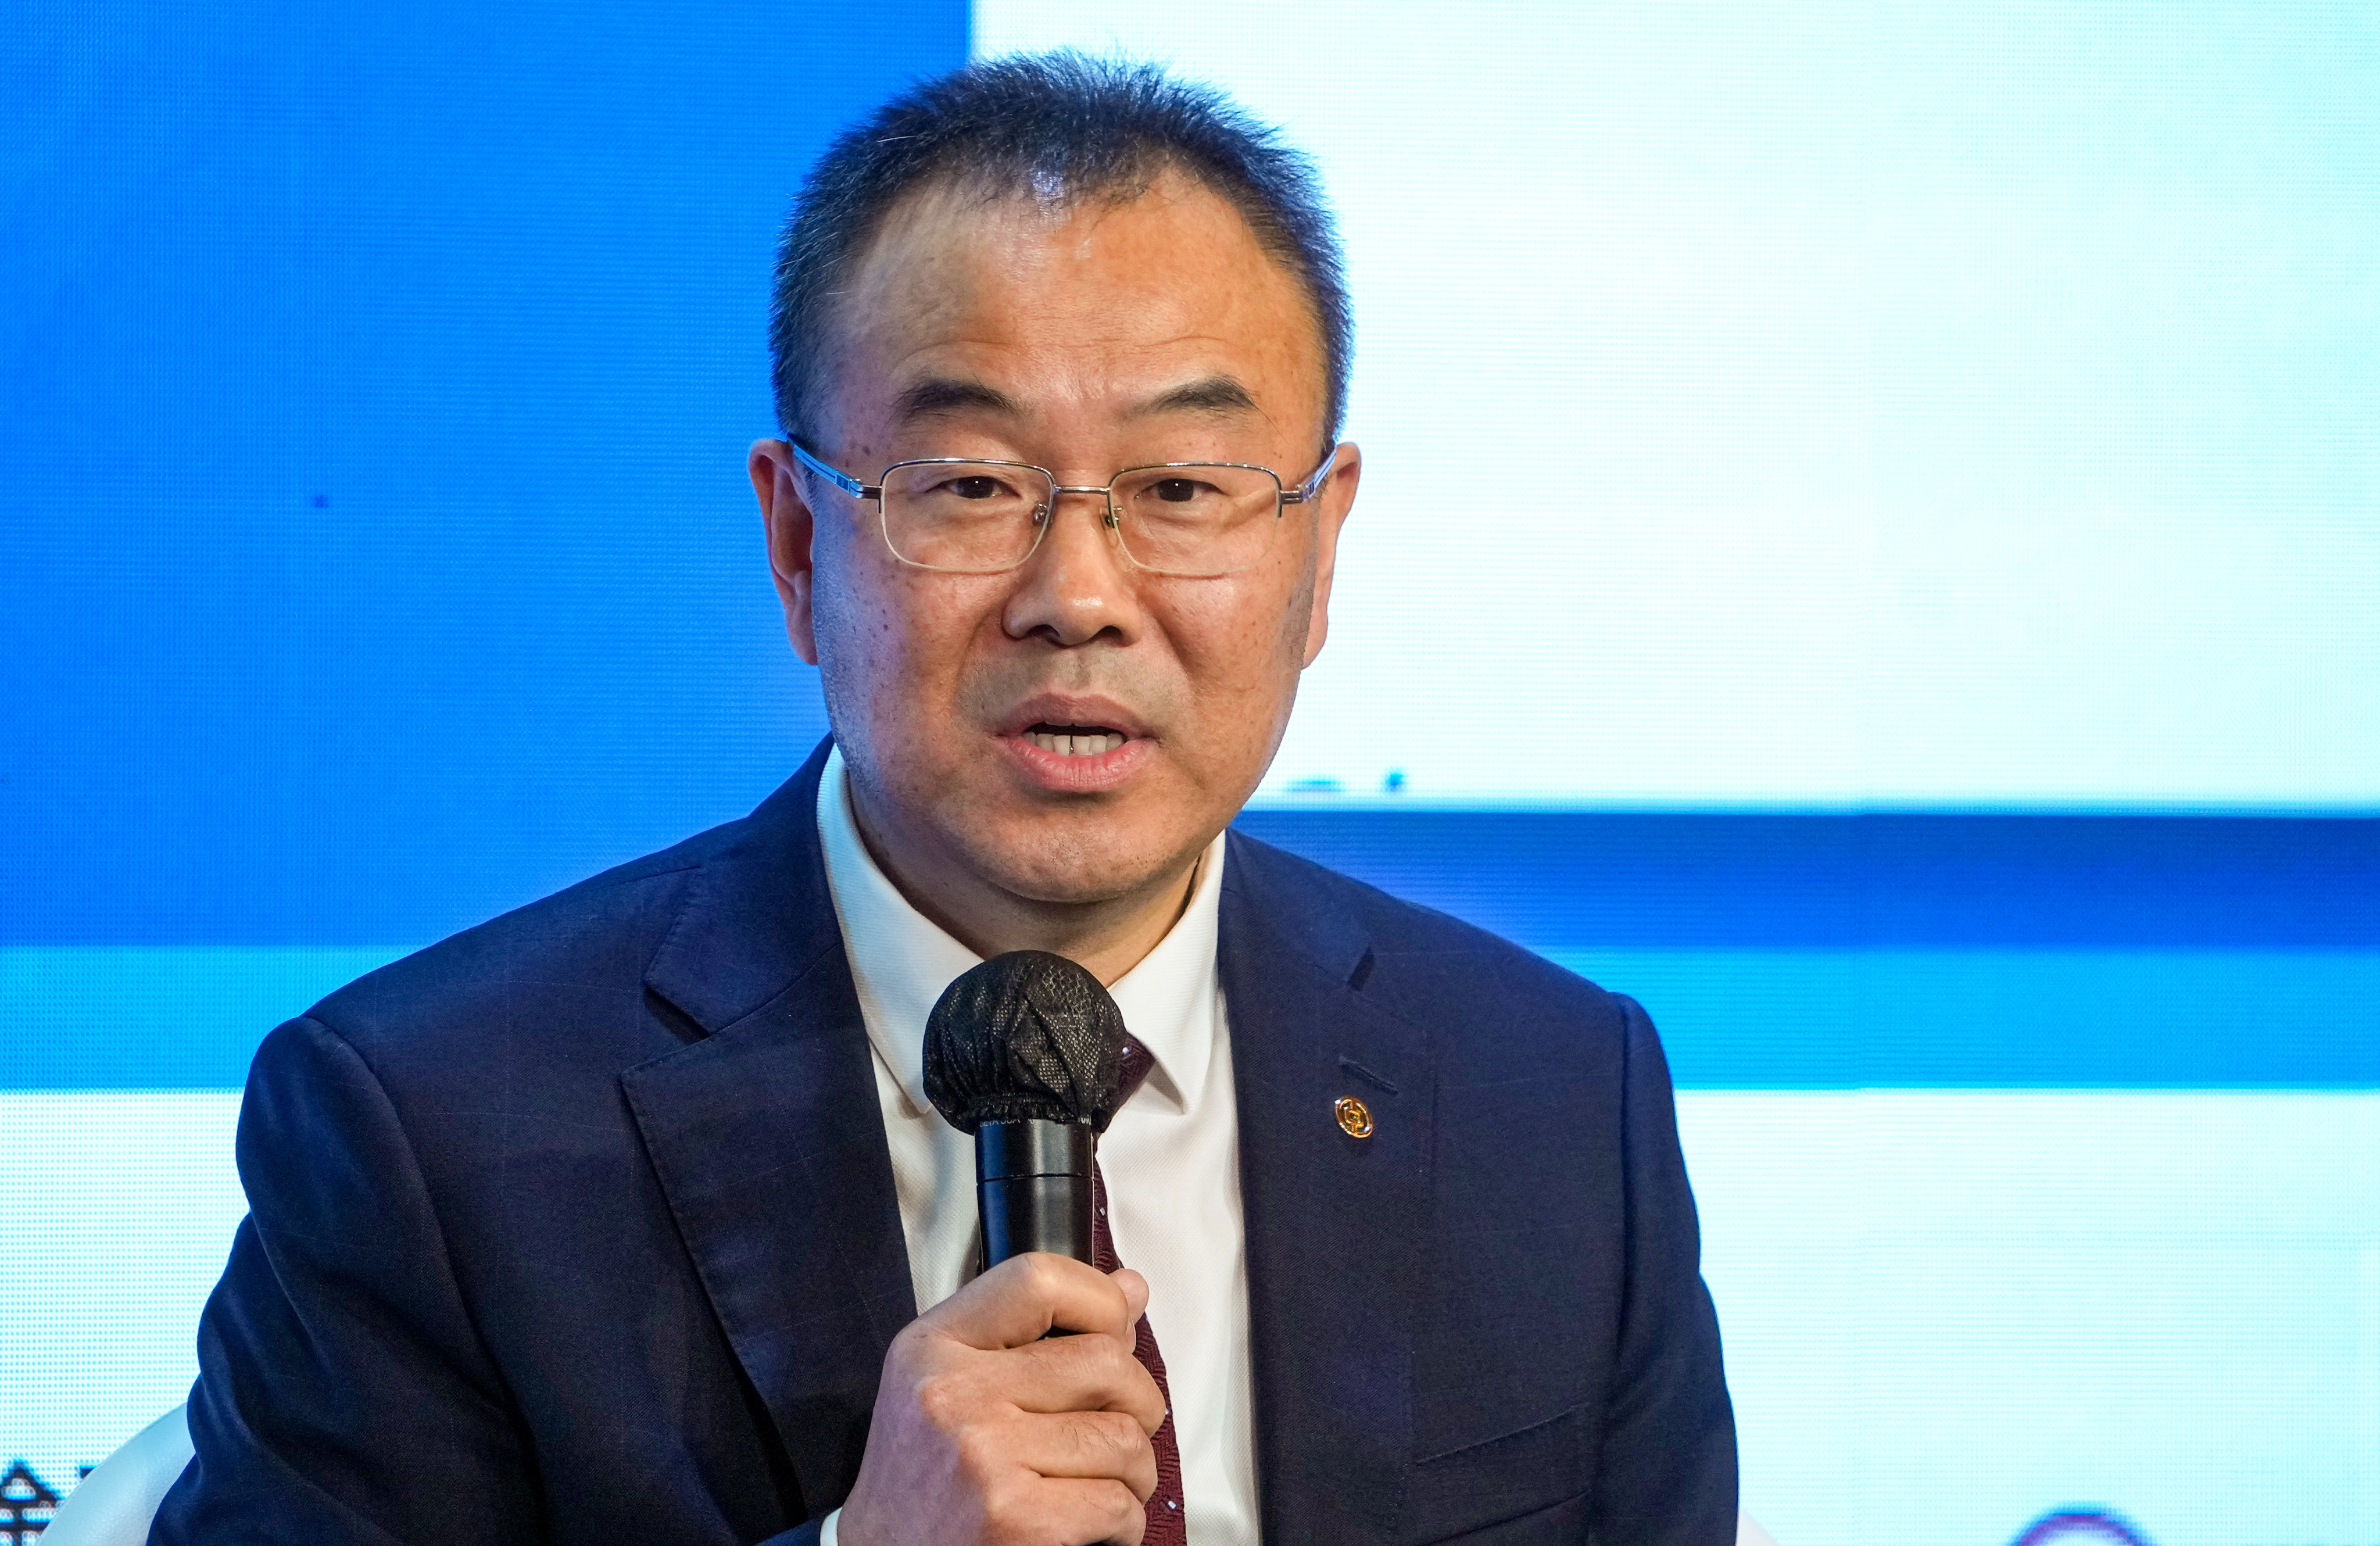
(1354, 1118)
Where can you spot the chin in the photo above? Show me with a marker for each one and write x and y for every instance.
(1081, 863)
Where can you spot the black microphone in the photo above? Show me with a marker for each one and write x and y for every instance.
(1023, 1052)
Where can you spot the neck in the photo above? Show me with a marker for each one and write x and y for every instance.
(1107, 938)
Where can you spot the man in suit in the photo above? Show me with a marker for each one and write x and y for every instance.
(623, 1217)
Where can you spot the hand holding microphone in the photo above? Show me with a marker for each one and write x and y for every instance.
(987, 1428)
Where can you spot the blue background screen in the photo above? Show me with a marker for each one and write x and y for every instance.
(1872, 527)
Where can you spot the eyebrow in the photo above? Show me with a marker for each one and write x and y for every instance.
(936, 395)
(1217, 394)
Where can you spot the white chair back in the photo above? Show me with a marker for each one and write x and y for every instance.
(113, 1504)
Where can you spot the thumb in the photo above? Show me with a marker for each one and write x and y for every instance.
(1136, 1299)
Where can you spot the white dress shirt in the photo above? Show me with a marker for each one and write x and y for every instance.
(1170, 1157)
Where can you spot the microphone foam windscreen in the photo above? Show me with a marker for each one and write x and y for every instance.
(1025, 1036)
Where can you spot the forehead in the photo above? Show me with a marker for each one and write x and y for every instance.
(1086, 304)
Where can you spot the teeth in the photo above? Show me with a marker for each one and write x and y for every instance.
(1096, 744)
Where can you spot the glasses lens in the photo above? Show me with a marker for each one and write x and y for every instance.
(976, 518)
(1197, 519)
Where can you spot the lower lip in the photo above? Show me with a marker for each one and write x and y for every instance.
(1059, 774)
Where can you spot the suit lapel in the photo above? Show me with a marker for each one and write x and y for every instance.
(768, 1142)
(1336, 1226)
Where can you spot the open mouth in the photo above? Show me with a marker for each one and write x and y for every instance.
(1075, 740)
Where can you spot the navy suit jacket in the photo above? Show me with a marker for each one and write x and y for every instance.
(580, 1227)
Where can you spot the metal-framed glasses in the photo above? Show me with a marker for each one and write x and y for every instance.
(1194, 519)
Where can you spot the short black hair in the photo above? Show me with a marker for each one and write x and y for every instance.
(1062, 126)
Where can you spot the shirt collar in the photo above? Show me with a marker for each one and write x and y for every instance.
(901, 961)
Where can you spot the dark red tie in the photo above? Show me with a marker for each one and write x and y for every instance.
(1167, 1526)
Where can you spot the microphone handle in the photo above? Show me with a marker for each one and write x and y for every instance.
(1033, 1189)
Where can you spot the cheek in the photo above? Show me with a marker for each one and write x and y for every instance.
(845, 596)
(1242, 640)
(890, 648)
(863, 637)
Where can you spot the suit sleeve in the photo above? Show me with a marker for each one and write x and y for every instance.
(1668, 1471)
(343, 1394)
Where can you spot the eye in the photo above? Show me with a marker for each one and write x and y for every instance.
(976, 487)
(1177, 491)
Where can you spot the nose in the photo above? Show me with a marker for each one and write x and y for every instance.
(1075, 587)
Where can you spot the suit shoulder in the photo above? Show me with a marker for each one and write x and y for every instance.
(583, 948)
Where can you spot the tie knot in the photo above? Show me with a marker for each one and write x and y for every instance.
(1132, 1064)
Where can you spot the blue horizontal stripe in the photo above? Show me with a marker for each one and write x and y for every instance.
(1843, 1020)
(137, 1018)
(84, 1018)
(1555, 880)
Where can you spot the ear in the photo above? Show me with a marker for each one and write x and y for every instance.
(786, 517)
(1332, 503)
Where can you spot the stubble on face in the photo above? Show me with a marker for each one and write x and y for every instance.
(1073, 318)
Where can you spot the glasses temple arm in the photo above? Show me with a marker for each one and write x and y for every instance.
(843, 481)
(1305, 491)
